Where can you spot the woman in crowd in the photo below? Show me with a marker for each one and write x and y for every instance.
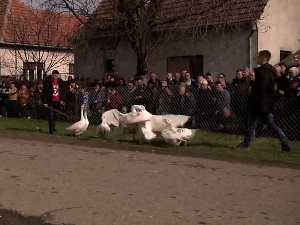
(13, 105)
(23, 97)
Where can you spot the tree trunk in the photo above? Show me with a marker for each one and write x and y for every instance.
(141, 65)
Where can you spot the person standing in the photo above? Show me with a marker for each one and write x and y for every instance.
(53, 96)
(261, 102)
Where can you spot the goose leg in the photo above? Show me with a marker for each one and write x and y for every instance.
(185, 142)
(132, 137)
(115, 135)
(141, 141)
(179, 142)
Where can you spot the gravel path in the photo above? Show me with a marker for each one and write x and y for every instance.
(88, 186)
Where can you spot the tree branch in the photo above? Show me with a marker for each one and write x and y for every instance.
(73, 11)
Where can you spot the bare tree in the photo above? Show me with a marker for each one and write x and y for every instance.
(38, 37)
(146, 23)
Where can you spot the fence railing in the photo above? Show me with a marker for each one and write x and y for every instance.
(207, 107)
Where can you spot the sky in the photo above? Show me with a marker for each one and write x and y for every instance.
(89, 8)
(30, 2)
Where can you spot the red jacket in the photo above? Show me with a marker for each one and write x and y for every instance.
(114, 101)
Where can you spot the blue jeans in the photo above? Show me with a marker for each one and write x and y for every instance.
(269, 119)
(53, 115)
(4, 111)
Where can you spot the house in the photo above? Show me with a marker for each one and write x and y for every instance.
(34, 41)
(217, 36)
(291, 59)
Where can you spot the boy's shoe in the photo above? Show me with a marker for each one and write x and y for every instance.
(242, 147)
(285, 146)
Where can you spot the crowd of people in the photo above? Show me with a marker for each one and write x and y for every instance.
(213, 104)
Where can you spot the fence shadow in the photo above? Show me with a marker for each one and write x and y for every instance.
(209, 144)
(27, 130)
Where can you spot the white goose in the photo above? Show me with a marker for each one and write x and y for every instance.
(113, 119)
(170, 135)
(79, 127)
(140, 118)
(175, 136)
(103, 128)
(87, 123)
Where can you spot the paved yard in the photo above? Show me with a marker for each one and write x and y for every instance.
(88, 186)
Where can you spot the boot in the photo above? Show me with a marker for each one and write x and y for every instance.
(50, 127)
(53, 126)
(286, 146)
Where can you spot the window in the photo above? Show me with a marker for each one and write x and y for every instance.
(71, 68)
(284, 54)
(32, 71)
(109, 66)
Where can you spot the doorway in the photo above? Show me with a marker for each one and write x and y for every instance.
(193, 64)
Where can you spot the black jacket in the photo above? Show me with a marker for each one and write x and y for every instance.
(48, 91)
(241, 81)
(261, 98)
(282, 82)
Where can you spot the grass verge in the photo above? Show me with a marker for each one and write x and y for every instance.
(217, 144)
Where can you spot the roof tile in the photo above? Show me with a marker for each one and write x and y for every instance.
(192, 13)
(27, 25)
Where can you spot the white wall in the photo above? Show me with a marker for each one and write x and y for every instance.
(222, 53)
(279, 28)
(12, 63)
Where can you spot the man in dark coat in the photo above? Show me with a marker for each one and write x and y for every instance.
(261, 102)
(53, 95)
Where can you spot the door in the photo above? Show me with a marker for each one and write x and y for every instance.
(178, 64)
(196, 65)
(193, 64)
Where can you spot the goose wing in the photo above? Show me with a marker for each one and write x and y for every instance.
(176, 120)
(148, 134)
(76, 126)
(142, 117)
(171, 137)
(112, 117)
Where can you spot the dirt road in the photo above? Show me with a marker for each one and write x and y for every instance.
(88, 186)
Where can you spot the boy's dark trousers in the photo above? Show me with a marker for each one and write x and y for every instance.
(53, 115)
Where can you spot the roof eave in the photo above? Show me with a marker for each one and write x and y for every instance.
(29, 46)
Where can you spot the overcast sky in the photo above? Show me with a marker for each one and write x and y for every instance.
(29, 2)
(87, 9)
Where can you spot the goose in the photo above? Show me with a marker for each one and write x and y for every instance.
(158, 123)
(114, 119)
(140, 119)
(79, 127)
(86, 118)
(175, 136)
(103, 128)
(186, 134)
(170, 135)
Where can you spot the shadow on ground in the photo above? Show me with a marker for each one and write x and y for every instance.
(9, 217)
(132, 146)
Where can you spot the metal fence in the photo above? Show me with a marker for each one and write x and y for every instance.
(207, 108)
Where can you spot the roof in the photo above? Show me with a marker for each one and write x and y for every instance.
(22, 24)
(3, 6)
(292, 59)
(180, 14)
